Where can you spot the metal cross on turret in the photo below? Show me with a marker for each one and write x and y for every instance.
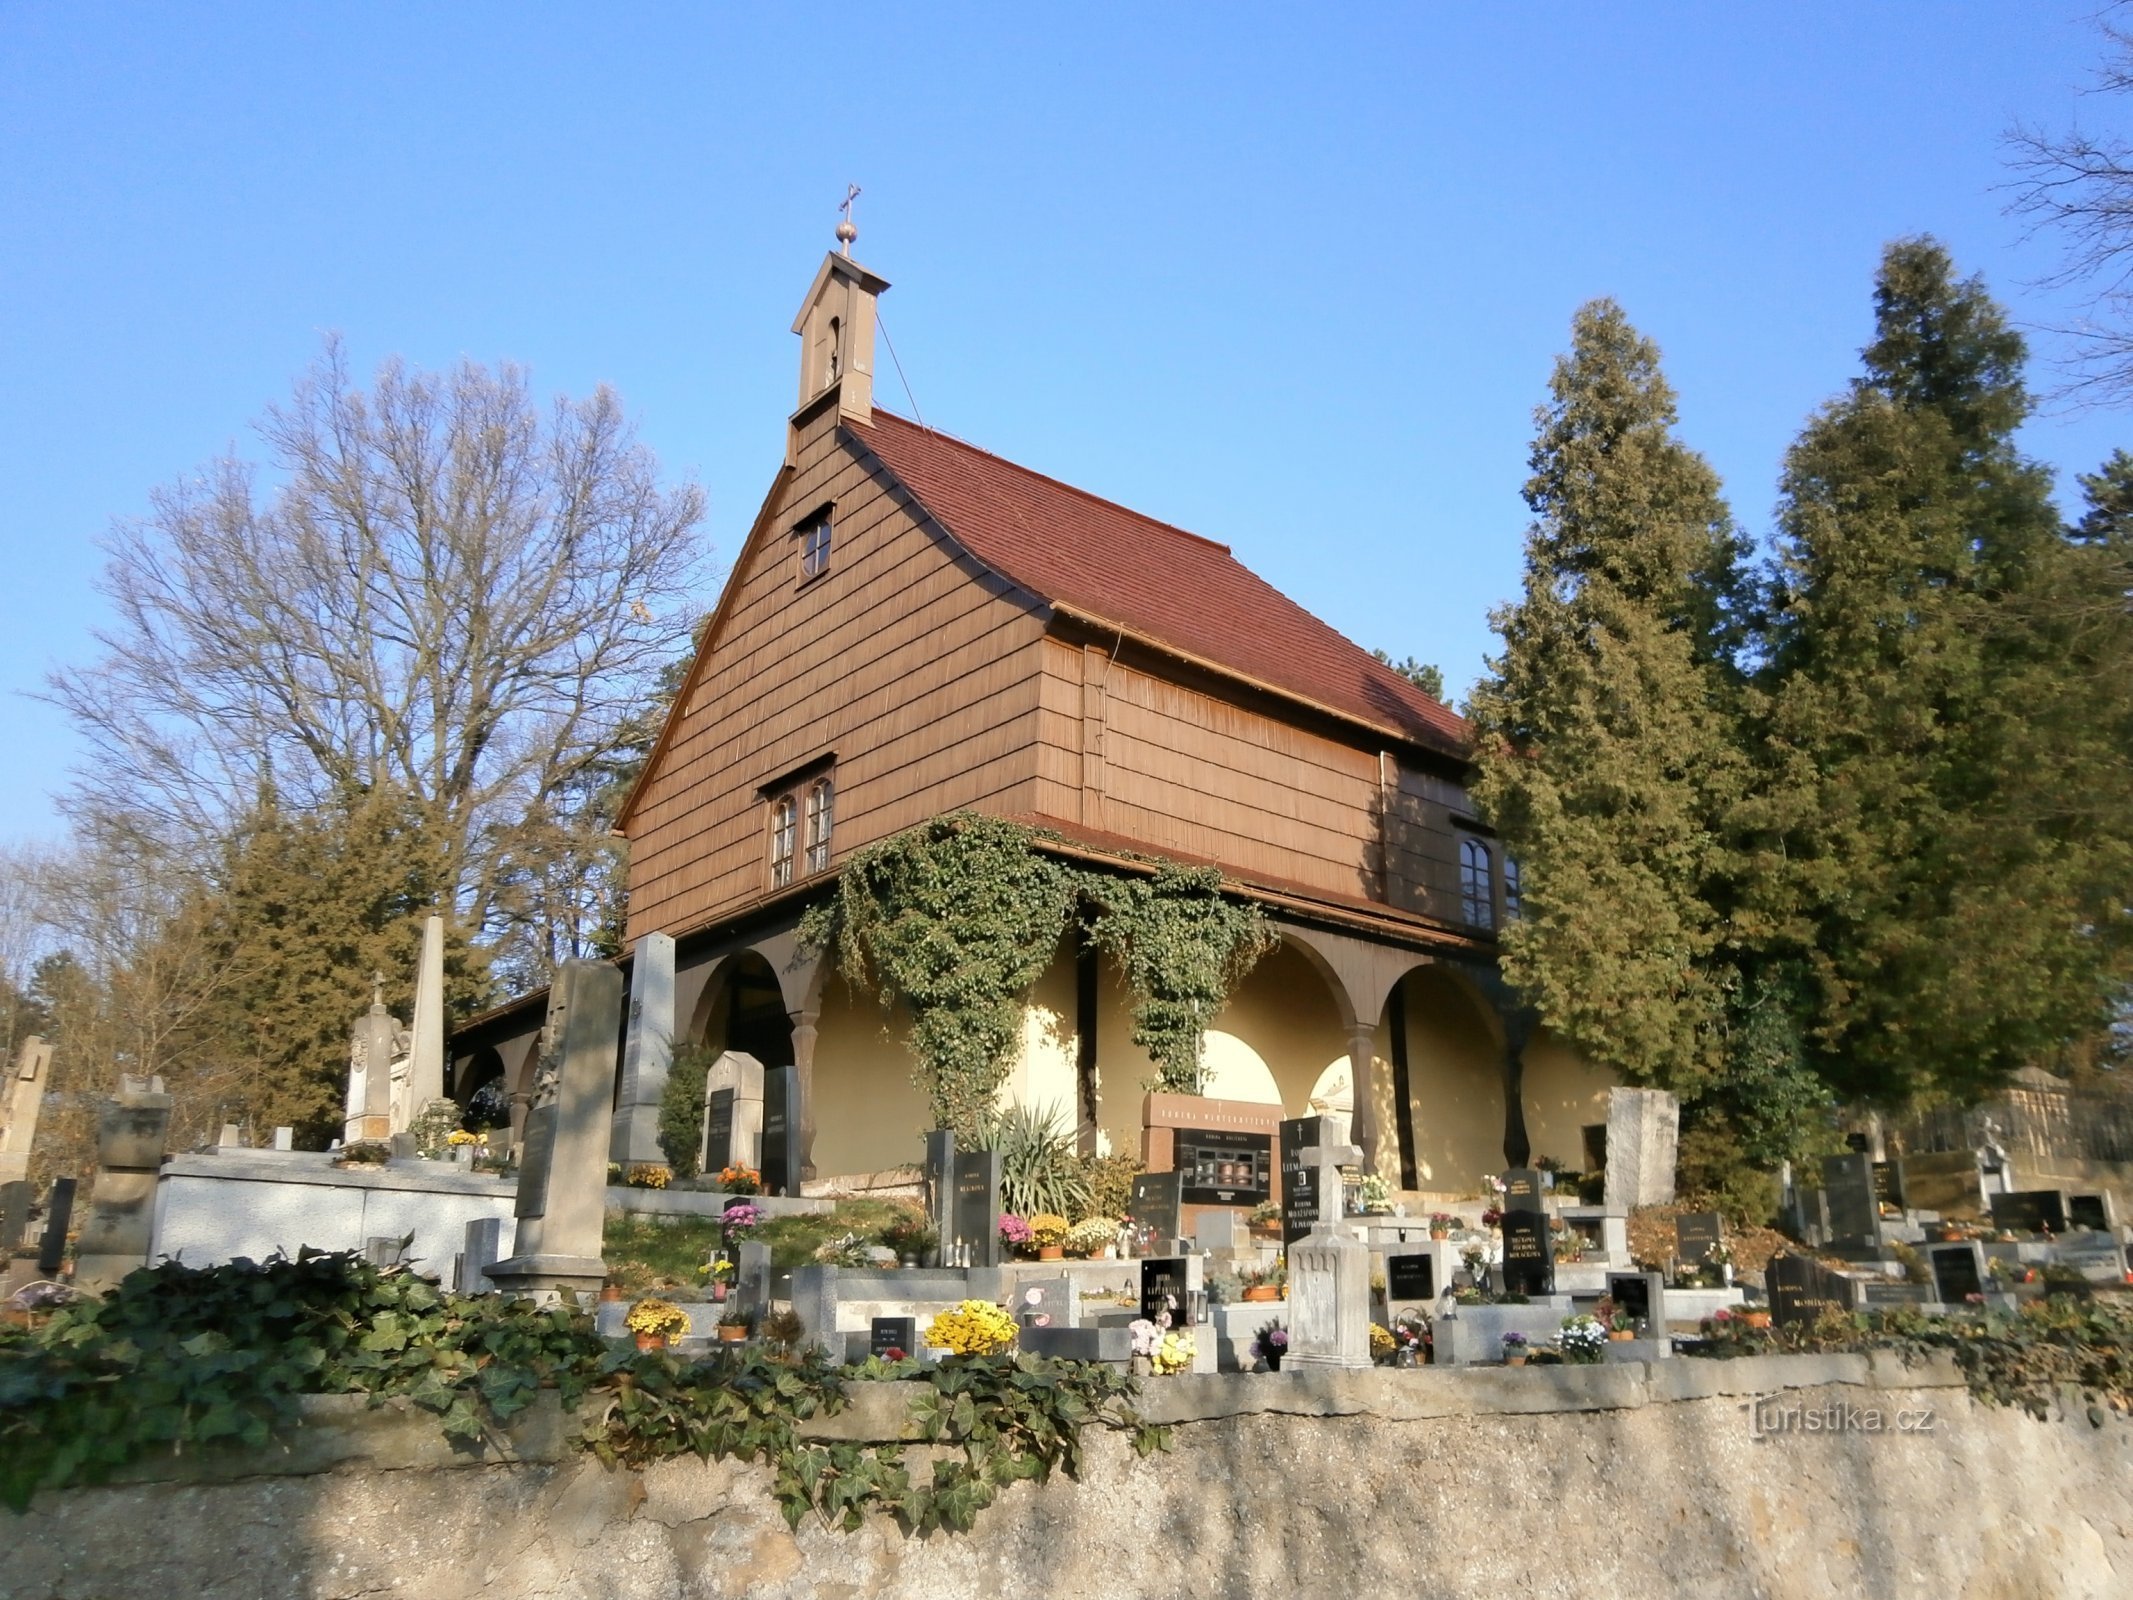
(848, 230)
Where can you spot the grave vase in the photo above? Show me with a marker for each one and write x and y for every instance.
(1259, 1292)
(1273, 1360)
(651, 1341)
(732, 1332)
(1518, 1360)
(1051, 1252)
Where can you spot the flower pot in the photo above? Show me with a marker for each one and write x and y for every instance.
(1259, 1292)
(732, 1333)
(1273, 1360)
(610, 1291)
(1051, 1252)
(1518, 1360)
(719, 1291)
(1756, 1319)
(1621, 1335)
(651, 1341)
(1440, 1233)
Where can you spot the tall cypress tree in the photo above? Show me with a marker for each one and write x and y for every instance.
(1608, 749)
(1916, 854)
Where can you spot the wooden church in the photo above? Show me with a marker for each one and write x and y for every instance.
(915, 626)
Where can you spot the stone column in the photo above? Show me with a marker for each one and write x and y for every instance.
(23, 1104)
(803, 1059)
(425, 1063)
(562, 1193)
(1643, 1129)
(1363, 1080)
(647, 1054)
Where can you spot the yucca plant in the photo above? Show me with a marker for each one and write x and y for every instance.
(1039, 1168)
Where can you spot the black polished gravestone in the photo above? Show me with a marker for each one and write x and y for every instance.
(2030, 1211)
(1528, 1254)
(1696, 1235)
(1299, 1183)
(59, 1216)
(15, 1201)
(1411, 1277)
(892, 1338)
(1166, 1291)
(1848, 1190)
(1958, 1272)
(1157, 1207)
(781, 1130)
(1640, 1296)
(977, 1208)
(718, 1129)
(2088, 1213)
(1801, 1289)
(1220, 1168)
(1888, 1183)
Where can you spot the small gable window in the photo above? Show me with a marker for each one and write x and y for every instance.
(783, 811)
(821, 816)
(1513, 900)
(814, 535)
(1475, 901)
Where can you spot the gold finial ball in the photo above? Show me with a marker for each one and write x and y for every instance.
(846, 232)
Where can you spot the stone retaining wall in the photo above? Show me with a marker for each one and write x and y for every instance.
(1635, 1479)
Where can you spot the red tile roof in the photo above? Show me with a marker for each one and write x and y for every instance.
(1071, 549)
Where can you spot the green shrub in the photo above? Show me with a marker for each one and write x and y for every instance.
(681, 1108)
(1039, 1169)
(1712, 1169)
(1110, 1180)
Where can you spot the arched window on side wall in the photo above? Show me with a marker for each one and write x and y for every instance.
(1476, 904)
(821, 817)
(781, 841)
(1514, 902)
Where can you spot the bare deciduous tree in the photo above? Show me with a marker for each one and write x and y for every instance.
(436, 583)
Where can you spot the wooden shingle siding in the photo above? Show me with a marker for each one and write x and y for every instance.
(905, 658)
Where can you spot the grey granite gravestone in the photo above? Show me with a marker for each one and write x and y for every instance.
(718, 1133)
(1643, 1135)
(58, 1217)
(483, 1248)
(977, 1208)
(782, 1121)
(939, 1182)
(131, 1134)
(16, 1198)
(647, 1054)
(1218, 1228)
(1848, 1191)
(1047, 1303)
(751, 1280)
(557, 1247)
(285, 1138)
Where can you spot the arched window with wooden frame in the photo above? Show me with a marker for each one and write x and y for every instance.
(1476, 901)
(821, 818)
(783, 814)
(1514, 899)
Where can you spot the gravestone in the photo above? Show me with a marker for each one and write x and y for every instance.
(1157, 1208)
(1222, 1168)
(132, 1132)
(1848, 1188)
(369, 1108)
(1888, 1183)
(750, 1292)
(781, 1130)
(1528, 1250)
(1047, 1303)
(1329, 1272)
(482, 1249)
(1643, 1134)
(285, 1138)
(1299, 1184)
(1958, 1272)
(1801, 1289)
(425, 1050)
(2030, 1211)
(21, 1106)
(939, 1179)
(1696, 1235)
(58, 1217)
(563, 1201)
(1166, 1289)
(734, 1080)
(1641, 1295)
(1218, 1229)
(2091, 1212)
(232, 1137)
(1876, 1295)
(892, 1338)
(16, 1197)
(383, 1250)
(977, 1208)
(647, 1054)
(1411, 1277)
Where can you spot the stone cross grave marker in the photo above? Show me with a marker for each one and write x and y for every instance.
(1329, 1274)
(977, 1208)
(58, 1217)
(1528, 1249)
(560, 1212)
(1958, 1272)
(647, 1054)
(782, 1121)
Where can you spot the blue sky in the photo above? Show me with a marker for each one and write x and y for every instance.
(1292, 281)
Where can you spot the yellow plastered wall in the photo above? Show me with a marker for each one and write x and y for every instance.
(869, 1115)
(1564, 1093)
(1455, 1082)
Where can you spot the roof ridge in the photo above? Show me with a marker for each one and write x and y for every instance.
(1058, 483)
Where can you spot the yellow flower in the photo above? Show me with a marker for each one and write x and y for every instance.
(1047, 1229)
(656, 1316)
(1173, 1355)
(974, 1328)
(1382, 1343)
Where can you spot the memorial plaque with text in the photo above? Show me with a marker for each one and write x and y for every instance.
(1801, 1289)
(1888, 1183)
(1299, 1184)
(1156, 1210)
(1957, 1272)
(892, 1338)
(1528, 1254)
(718, 1129)
(2030, 1211)
(1165, 1290)
(1220, 1168)
(1696, 1235)
(977, 1206)
(1411, 1277)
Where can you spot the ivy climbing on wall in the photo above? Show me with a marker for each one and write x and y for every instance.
(957, 917)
